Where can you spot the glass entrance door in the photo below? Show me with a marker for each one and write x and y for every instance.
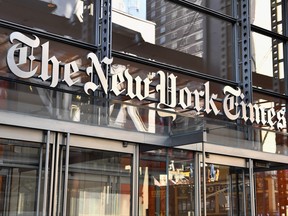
(99, 182)
(99, 177)
(68, 175)
(225, 188)
(19, 176)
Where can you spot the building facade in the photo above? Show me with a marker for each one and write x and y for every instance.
(134, 107)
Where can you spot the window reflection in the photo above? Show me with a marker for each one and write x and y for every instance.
(160, 179)
(227, 190)
(271, 141)
(177, 36)
(99, 183)
(72, 18)
(267, 14)
(267, 63)
(18, 178)
(271, 187)
(217, 5)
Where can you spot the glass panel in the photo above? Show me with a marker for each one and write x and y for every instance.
(152, 181)
(181, 182)
(166, 187)
(267, 14)
(19, 163)
(267, 63)
(72, 19)
(271, 184)
(178, 36)
(150, 106)
(227, 190)
(138, 8)
(273, 141)
(99, 183)
(217, 5)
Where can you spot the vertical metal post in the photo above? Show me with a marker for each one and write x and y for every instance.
(46, 172)
(65, 189)
(167, 183)
(39, 180)
(197, 188)
(246, 59)
(246, 56)
(285, 32)
(244, 192)
(135, 182)
(60, 190)
(103, 40)
(204, 171)
(251, 182)
(56, 158)
(106, 49)
(235, 68)
(106, 29)
(52, 177)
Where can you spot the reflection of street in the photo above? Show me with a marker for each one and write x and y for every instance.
(226, 193)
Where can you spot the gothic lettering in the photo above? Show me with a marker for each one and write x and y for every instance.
(21, 62)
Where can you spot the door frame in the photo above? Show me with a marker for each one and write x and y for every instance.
(54, 142)
(206, 157)
(74, 140)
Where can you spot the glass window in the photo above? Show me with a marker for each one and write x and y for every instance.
(19, 174)
(34, 94)
(272, 142)
(270, 189)
(217, 5)
(267, 14)
(227, 190)
(159, 179)
(267, 63)
(72, 19)
(99, 183)
(203, 42)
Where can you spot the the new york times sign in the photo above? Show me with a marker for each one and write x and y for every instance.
(170, 97)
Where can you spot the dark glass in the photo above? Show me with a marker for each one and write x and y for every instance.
(177, 36)
(72, 19)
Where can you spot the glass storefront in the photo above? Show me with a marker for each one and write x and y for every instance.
(93, 181)
(143, 107)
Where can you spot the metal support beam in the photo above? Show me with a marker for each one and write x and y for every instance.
(135, 182)
(246, 56)
(46, 172)
(275, 22)
(246, 59)
(252, 192)
(65, 187)
(103, 40)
